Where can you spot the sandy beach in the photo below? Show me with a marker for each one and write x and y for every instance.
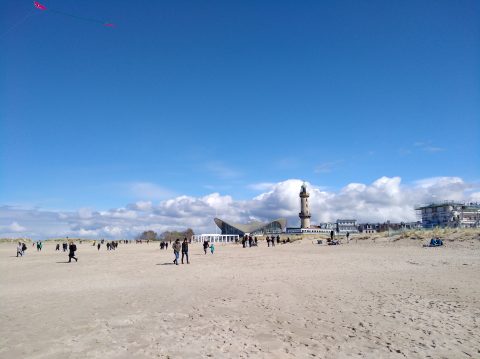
(368, 300)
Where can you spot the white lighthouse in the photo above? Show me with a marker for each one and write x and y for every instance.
(304, 209)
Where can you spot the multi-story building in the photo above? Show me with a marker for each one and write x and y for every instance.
(368, 228)
(450, 214)
(347, 225)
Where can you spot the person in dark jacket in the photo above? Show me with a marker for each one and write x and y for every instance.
(176, 250)
(185, 250)
(205, 246)
(72, 248)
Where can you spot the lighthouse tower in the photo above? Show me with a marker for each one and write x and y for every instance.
(304, 210)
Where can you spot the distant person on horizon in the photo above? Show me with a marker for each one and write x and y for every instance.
(57, 247)
(185, 250)
(212, 248)
(205, 246)
(348, 235)
(72, 249)
(98, 246)
(176, 250)
(332, 234)
(278, 239)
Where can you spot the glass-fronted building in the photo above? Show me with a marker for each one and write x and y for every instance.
(253, 228)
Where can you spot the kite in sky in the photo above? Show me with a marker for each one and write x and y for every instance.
(44, 8)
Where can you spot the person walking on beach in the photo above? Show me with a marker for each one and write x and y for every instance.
(205, 246)
(278, 239)
(348, 235)
(57, 247)
(176, 250)
(212, 248)
(185, 250)
(332, 234)
(98, 246)
(268, 241)
(72, 248)
(19, 249)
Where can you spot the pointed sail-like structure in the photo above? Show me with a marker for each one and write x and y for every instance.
(253, 228)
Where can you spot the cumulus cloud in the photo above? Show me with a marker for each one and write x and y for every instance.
(13, 227)
(387, 198)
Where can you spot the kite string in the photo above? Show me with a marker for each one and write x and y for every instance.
(76, 16)
(30, 13)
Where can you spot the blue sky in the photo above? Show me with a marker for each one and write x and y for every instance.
(190, 97)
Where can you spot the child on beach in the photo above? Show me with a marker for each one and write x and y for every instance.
(212, 248)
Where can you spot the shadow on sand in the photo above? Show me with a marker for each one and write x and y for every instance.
(166, 264)
(64, 262)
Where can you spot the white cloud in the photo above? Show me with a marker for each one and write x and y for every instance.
(428, 147)
(384, 199)
(142, 205)
(13, 227)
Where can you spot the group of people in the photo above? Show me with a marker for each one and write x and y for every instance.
(271, 240)
(206, 245)
(64, 246)
(111, 246)
(250, 241)
(163, 245)
(21, 248)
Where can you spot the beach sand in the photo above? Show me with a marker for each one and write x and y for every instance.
(301, 300)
